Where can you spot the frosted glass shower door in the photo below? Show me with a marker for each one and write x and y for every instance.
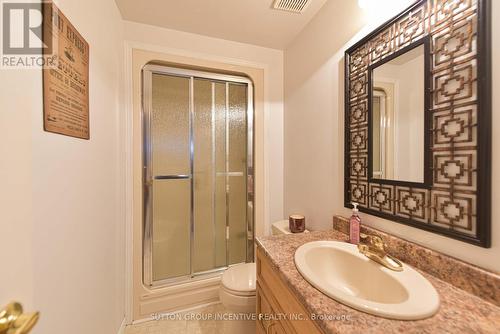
(171, 170)
(198, 180)
(236, 177)
(220, 177)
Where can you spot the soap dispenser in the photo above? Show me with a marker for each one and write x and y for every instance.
(354, 225)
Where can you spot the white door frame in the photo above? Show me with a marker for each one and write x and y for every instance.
(126, 146)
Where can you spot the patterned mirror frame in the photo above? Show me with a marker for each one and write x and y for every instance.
(456, 202)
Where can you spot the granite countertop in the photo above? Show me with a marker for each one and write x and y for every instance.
(460, 311)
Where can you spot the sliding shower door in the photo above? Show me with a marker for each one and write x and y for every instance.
(198, 173)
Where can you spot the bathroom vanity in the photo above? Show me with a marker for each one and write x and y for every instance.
(275, 300)
(287, 303)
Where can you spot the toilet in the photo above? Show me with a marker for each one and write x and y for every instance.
(237, 290)
(237, 293)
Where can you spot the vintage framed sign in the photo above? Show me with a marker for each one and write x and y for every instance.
(66, 82)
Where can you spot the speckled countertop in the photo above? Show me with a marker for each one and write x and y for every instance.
(460, 311)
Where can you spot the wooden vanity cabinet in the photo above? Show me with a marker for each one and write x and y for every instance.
(278, 310)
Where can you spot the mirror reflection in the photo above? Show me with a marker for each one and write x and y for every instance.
(398, 109)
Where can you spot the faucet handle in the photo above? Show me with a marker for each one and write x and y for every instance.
(373, 247)
(377, 242)
(374, 242)
(363, 237)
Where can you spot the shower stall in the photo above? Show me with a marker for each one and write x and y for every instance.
(197, 174)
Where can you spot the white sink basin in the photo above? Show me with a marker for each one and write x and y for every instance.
(341, 272)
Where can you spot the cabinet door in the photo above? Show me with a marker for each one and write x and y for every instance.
(267, 322)
(264, 312)
(276, 328)
(281, 299)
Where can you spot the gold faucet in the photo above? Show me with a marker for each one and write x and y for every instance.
(373, 247)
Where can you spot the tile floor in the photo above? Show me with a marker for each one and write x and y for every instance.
(197, 321)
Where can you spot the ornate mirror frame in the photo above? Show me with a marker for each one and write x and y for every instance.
(455, 198)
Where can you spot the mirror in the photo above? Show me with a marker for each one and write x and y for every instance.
(398, 117)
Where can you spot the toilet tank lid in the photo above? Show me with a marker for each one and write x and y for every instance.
(240, 277)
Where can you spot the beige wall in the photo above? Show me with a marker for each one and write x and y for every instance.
(314, 130)
(229, 52)
(313, 137)
(60, 199)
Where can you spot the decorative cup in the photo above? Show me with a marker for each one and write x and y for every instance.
(297, 223)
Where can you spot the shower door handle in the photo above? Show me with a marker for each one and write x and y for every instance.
(172, 177)
(149, 182)
(229, 173)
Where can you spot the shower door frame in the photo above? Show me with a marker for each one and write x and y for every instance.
(147, 177)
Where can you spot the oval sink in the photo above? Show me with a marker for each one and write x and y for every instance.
(341, 272)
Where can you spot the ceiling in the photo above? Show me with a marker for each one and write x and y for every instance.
(246, 21)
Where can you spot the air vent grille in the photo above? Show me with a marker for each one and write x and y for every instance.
(294, 6)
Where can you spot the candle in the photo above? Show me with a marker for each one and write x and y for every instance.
(297, 223)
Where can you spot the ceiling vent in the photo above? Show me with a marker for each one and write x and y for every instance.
(294, 6)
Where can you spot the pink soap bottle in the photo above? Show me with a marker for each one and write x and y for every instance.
(354, 225)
